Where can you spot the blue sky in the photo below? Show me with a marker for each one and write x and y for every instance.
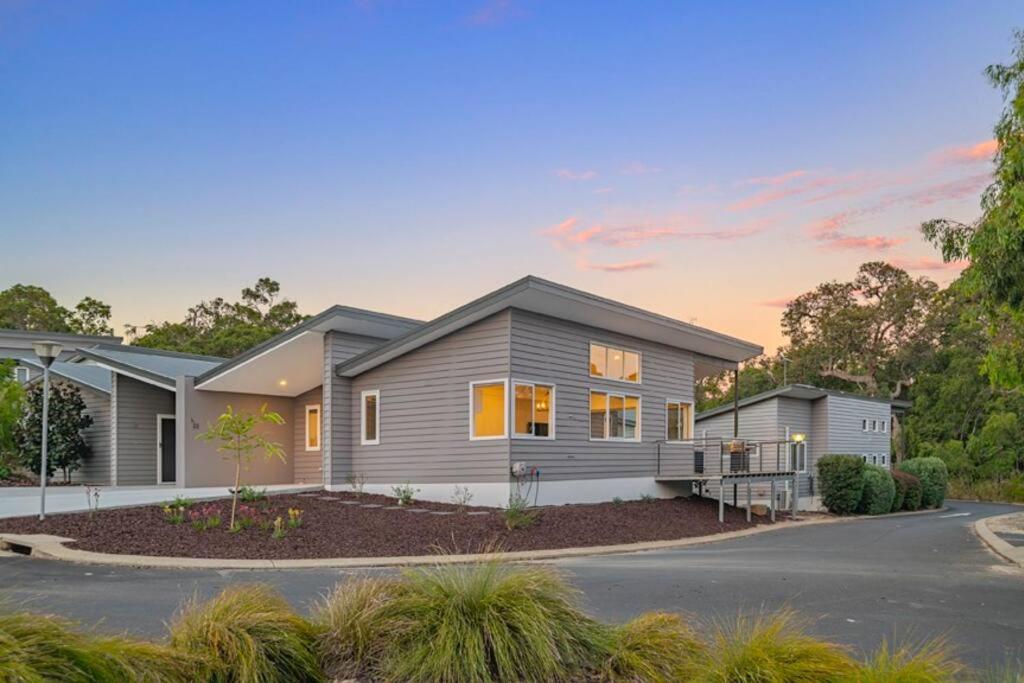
(704, 161)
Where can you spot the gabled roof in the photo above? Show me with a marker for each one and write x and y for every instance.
(149, 365)
(89, 375)
(797, 391)
(295, 346)
(66, 338)
(565, 303)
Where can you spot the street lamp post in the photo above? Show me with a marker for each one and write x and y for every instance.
(47, 353)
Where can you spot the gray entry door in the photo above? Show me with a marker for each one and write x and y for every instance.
(168, 468)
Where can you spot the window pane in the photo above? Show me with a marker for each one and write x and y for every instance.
(598, 360)
(370, 419)
(615, 417)
(672, 418)
(598, 408)
(489, 410)
(542, 411)
(684, 421)
(524, 409)
(632, 417)
(313, 428)
(615, 362)
(632, 366)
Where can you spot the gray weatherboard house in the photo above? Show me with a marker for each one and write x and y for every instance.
(583, 398)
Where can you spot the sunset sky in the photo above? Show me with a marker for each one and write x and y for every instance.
(707, 163)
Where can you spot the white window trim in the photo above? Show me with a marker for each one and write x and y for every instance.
(608, 410)
(363, 441)
(885, 426)
(864, 425)
(18, 370)
(502, 381)
(512, 409)
(693, 423)
(319, 424)
(639, 364)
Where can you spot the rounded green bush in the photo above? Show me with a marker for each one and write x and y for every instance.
(934, 478)
(908, 491)
(842, 482)
(879, 491)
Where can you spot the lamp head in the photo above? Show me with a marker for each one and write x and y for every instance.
(47, 351)
(799, 438)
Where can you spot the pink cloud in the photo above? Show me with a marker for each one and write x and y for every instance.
(780, 179)
(771, 196)
(603, 190)
(870, 242)
(621, 267)
(776, 303)
(925, 263)
(949, 191)
(830, 232)
(967, 154)
(639, 168)
(566, 174)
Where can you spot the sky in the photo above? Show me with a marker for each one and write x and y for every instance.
(707, 161)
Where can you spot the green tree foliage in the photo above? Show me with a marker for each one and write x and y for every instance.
(994, 243)
(235, 436)
(841, 478)
(29, 307)
(220, 328)
(12, 401)
(879, 491)
(934, 477)
(67, 417)
(870, 334)
(757, 375)
(997, 450)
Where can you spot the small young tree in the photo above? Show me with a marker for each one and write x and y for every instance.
(234, 434)
(66, 443)
(12, 402)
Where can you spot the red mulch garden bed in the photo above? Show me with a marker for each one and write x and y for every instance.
(337, 525)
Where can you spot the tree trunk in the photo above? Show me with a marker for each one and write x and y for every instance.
(234, 492)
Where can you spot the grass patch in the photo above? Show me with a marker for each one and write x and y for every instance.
(247, 633)
(655, 647)
(771, 648)
(353, 626)
(930, 662)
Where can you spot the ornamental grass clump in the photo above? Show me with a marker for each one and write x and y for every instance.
(247, 633)
(655, 647)
(930, 662)
(771, 648)
(36, 648)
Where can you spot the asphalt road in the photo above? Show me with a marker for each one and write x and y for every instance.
(899, 577)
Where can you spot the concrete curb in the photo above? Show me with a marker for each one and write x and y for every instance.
(52, 548)
(999, 546)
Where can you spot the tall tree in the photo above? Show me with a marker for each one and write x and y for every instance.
(994, 243)
(870, 333)
(66, 446)
(91, 316)
(220, 328)
(755, 376)
(32, 308)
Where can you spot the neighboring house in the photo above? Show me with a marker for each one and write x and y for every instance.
(17, 345)
(827, 421)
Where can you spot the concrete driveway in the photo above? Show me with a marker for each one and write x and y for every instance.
(899, 577)
(21, 501)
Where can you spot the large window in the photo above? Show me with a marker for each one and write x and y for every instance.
(534, 410)
(487, 409)
(370, 418)
(614, 417)
(313, 428)
(678, 416)
(613, 363)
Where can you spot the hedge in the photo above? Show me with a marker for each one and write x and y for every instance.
(842, 482)
(879, 491)
(908, 491)
(934, 478)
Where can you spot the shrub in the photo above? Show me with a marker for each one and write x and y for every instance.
(771, 647)
(1009, 490)
(518, 514)
(842, 482)
(46, 648)
(934, 479)
(652, 647)
(247, 633)
(249, 494)
(908, 491)
(930, 662)
(353, 626)
(899, 488)
(405, 493)
(879, 491)
(488, 622)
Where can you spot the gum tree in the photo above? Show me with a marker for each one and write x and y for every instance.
(236, 438)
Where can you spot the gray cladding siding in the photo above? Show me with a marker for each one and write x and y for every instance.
(337, 417)
(547, 350)
(424, 411)
(845, 415)
(96, 468)
(138, 404)
(308, 464)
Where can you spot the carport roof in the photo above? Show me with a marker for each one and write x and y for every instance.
(152, 366)
(90, 375)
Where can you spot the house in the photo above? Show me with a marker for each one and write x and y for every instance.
(811, 422)
(535, 389)
(17, 345)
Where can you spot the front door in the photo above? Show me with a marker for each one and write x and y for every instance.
(166, 449)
